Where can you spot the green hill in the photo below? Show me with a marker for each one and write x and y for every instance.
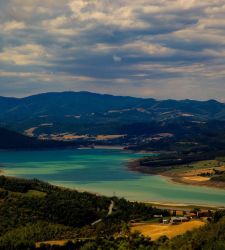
(33, 211)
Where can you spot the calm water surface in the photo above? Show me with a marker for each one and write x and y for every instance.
(104, 171)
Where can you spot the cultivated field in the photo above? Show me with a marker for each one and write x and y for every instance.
(52, 242)
(197, 173)
(156, 230)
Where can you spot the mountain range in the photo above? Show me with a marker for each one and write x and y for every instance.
(85, 112)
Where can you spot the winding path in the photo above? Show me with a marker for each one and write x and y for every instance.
(111, 206)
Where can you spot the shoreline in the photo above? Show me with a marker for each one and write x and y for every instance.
(109, 147)
(162, 204)
(158, 204)
(1, 169)
(210, 184)
(174, 178)
(182, 206)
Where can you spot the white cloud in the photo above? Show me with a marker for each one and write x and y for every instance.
(135, 48)
(24, 55)
(148, 48)
(59, 26)
(110, 13)
(12, 25)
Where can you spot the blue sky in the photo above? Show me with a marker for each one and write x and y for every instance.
(149, 48)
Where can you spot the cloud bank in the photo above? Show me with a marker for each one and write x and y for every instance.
(162, 49)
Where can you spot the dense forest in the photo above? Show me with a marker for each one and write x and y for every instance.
(33, 211)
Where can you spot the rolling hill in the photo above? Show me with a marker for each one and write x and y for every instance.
(79, 111)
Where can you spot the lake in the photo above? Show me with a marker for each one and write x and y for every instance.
(104, 171)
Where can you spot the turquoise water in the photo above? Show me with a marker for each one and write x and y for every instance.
(104, 171)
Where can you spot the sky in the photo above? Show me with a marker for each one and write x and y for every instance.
(146, 48)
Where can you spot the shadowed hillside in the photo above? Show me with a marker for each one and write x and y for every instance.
(66, 111)
(13, 140)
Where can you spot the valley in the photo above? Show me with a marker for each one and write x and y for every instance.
(86, 171)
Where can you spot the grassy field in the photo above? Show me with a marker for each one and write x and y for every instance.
(194, 166)
(29, 193)
(151, 229)
(155, 231)
(198, 173)
(35, 193)
(52, 242)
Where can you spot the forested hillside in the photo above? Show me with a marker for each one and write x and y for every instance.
(32, 211)
(78, 111)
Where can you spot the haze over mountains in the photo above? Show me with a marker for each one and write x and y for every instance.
(60, 112)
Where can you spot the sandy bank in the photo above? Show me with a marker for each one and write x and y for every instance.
(108, 147)
(188, 178)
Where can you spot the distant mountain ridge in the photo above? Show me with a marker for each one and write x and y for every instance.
(66, 110)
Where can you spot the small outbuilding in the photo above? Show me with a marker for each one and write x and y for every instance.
(165, 221)
(176, 220)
